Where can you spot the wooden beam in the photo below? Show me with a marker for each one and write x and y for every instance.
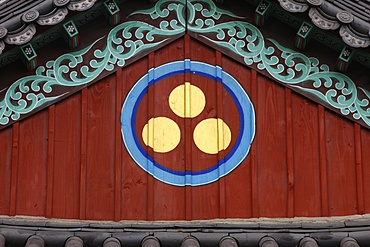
(71, 35)
(344, 59)
(261, 13)
(303, 35)
(112, 13)
(29, 57)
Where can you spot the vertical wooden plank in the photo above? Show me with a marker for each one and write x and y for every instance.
(207, 194)
(6, 141)
(134, 179)
(237, 184)
(14, 169)
(118, 150)
(50, 166)
(341, 165)
(150, 179)
(188, 142)
(100, 150)
(359, 169)
(305, 128)
(271, 152)
(323, 164)
(32, 165)
(254, 170)
(168, 201)
(289, 149)
(220, 154)
(365, 154)
(67, 159)
(83, 159)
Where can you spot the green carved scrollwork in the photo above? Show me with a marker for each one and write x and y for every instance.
(71, 70)
(332, 88)
(289, 67)
(174, 17)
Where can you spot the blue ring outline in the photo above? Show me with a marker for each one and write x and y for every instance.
(223, 166)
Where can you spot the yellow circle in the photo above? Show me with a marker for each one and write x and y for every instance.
(162, 134)
(212, 135)
(187, 101)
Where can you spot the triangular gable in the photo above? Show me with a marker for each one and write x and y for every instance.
(76, 159)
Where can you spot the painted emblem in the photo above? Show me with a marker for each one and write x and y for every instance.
(158, 139)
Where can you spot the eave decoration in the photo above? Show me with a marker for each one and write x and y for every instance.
(328, 15)
(19, 30)
(169, 19)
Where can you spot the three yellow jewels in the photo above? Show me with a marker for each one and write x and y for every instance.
(187, 101)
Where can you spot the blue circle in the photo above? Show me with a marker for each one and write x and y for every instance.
(182, 178)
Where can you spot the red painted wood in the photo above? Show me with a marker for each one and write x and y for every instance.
(238, 189)
(14, 169)
(70, 161)
(67, 158)
(305, 138)
(150, 113)
(118, 149)
(220, 113)
(289, 149)
(100, 158)
(341, 165)
(32, 165)
(83, 154)
(271, 149)
(365, 154)
(5, 169)
(168, 199)
(50, 165)
(359, 169)
(208, 194)
(323, 163)
(253, 156)
(187, 143)
(134, 179)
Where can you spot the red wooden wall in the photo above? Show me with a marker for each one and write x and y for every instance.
(69, 161)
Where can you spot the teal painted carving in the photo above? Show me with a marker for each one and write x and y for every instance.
(71, 70)
(171, 18)
(285, 65)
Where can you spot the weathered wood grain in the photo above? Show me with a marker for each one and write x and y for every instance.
(32, 165)
(100, 149)
(341, 163)
(67, 158)
(5, 169)
(305, 138)
(69, 161)
(271, 149)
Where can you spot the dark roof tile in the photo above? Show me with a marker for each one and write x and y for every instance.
(351, 18)
(16, 16)
(209, 233)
